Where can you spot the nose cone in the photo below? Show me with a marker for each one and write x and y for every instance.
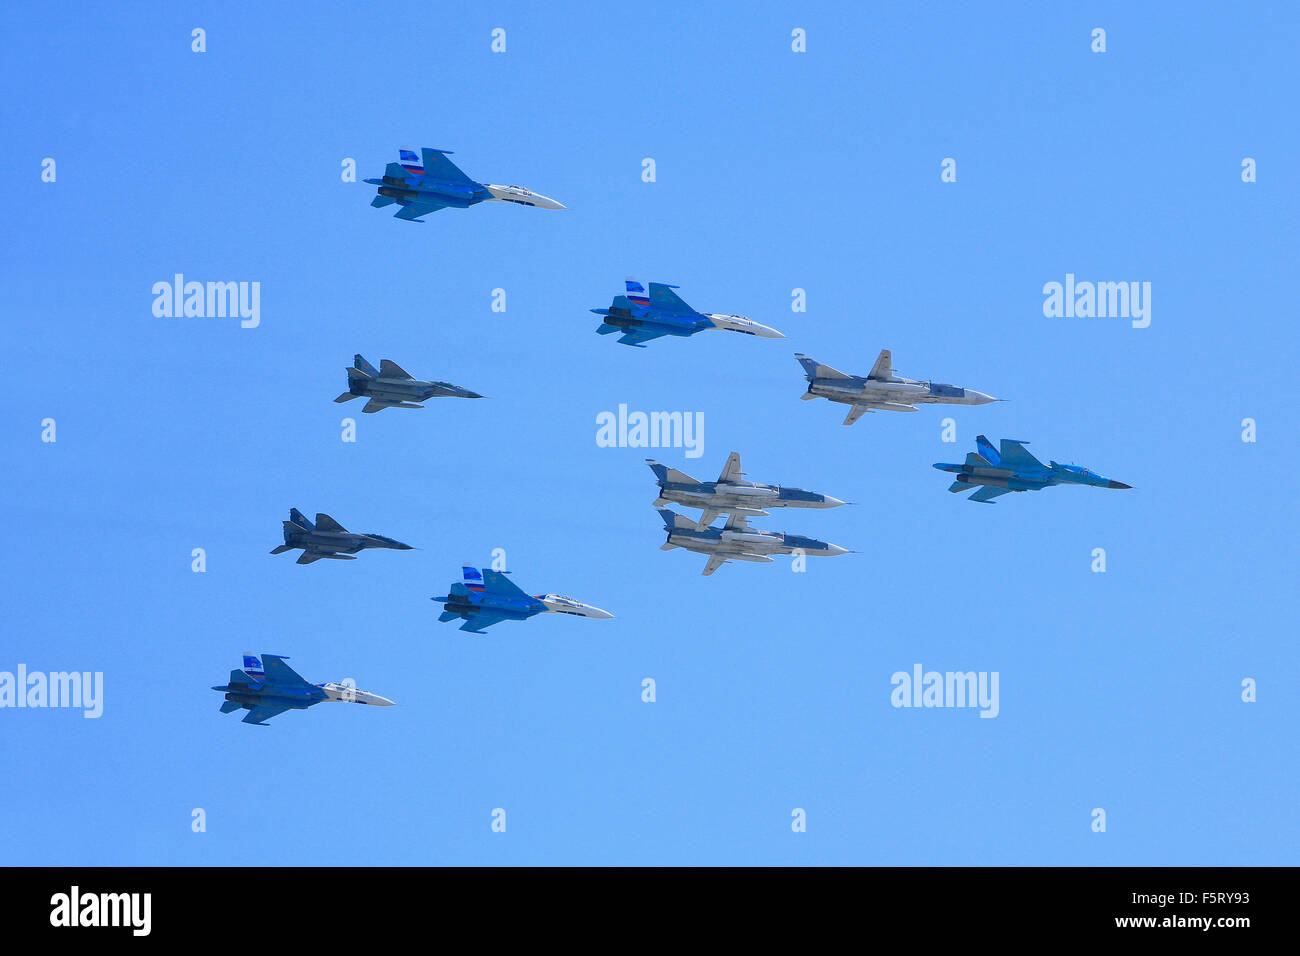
(767, 332)
(598, 613)
(979, 398)
(545, 202)
(1116, 484)
(829, 502)
(466, 393)
(834, 549)
(366, 698)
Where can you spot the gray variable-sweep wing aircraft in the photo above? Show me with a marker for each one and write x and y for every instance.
(881, 390)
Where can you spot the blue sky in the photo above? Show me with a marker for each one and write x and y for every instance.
(776, 170)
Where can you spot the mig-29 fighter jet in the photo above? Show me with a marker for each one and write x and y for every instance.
(731, 493)
(642, 317)
(881, 390)
(391, 386)
(737, 541)
(264, 693)
(995, 472)
(487, 598)
(328, 539)
(430, 181)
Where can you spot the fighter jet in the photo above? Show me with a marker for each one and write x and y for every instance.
(737, 541)
(393, 387)
(328, 539)
(641, 318)
(730, 494)
(426, 185)
(487, 598)
(881, 390)
(264, 693)
(995, 473)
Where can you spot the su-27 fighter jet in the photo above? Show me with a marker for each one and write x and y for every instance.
(266, 692)
(993, 472)
(731, 493)
(642, 317)
(391, 386)
(328, 539)
(487, 598)
(429, 182)
(737, 541)
(881, 390)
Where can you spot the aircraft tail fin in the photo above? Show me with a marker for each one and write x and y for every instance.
(253, 667)
(410, 161)
(815, 370)
(472, 579)
(361, 365)
(976, 461)
(665, 474)
(636, 292)
(296, 517)
(987, 450)
(675, 522)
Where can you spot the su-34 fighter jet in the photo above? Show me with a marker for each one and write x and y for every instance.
(737, 541)
(995, 472)
(642, 317)
(328, 539)
(881, 390)
(265, 692)
(391, 386)
(731, 493)
(487, 598)
(429, 182)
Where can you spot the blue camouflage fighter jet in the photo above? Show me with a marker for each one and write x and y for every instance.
(489, 597)
(641, 317)
(267, 691)
(995, 472)
(430, 181)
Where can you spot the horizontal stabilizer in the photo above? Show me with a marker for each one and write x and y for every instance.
(346, 397)
(957, 486)
(229, 706)
(447, 616)
(605, 328)
(380, 201)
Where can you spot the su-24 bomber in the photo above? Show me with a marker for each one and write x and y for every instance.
(391, 386)
(425, 183)
(329, 539)
(993, 472)
(641, 317)
(731, 493)
(267, 690)
(735, 540)
(881, 390)
(487, 597)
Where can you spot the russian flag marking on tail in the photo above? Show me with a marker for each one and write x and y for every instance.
(411, 161)
(472, 578)
(253, 667)
(636, 292)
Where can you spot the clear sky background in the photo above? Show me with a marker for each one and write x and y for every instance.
(775, 171)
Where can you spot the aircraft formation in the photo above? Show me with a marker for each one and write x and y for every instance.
(428, 181)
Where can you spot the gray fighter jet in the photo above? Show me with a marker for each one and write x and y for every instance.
(731, 493)
(328, 539)
(737, 541)
(881, 390)
(391, 386)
